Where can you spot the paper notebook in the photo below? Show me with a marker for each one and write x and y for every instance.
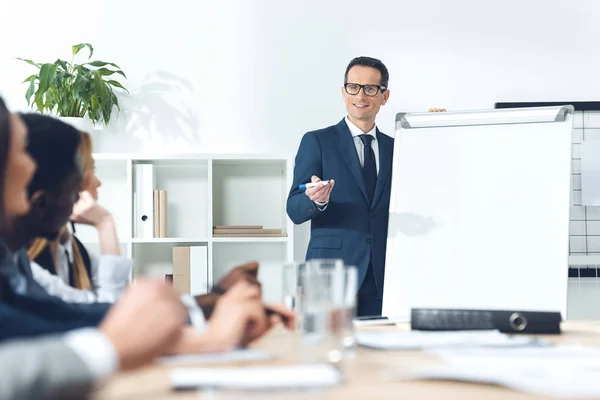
(257, 378)
(213, 358)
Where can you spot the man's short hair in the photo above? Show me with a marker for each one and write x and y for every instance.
(53, 145)
(369, 62)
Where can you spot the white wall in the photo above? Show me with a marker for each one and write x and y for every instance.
(253, 76)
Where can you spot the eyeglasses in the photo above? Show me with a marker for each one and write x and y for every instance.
(369, 90)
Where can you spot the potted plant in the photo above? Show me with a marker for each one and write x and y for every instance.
(82, 94)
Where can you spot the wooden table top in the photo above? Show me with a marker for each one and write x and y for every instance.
(365, 374)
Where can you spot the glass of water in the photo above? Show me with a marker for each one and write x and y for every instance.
(293, 290)
(329, 307)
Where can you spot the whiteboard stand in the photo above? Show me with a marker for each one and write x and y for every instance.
(479, 211)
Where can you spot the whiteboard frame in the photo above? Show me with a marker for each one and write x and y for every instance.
(535, 115)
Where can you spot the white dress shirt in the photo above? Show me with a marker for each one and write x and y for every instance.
(96, 351)
(110, 277)
(360, 150)
(360, 147)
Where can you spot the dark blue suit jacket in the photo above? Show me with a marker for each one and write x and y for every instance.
(350, 228)
(39, 313)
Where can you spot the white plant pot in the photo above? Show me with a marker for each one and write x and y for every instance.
(82, 124)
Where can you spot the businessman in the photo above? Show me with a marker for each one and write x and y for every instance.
(351, 221)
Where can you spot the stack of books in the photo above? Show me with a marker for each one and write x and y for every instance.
(246, 231)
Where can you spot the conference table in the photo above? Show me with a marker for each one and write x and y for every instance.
(366, 374)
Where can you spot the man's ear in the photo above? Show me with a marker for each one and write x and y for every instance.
(38, 201)
(386, 97)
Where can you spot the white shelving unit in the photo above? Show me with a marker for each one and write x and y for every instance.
(203, 190)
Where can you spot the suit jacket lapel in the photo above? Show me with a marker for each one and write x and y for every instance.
(385, 166)
(348, 149)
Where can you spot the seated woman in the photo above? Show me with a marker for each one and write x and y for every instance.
(64, 269)
(99, 279)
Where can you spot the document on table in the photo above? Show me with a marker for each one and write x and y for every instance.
(214, 358)
(262, 378)
(419, 340)
(555, 371)
(378, 321)
(572, 356)
(560, 382)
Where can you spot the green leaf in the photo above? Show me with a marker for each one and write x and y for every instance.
(99, 85)
(94, 114)
(29, 62)
(47, 75)
(60, 76)
(30, 77)
(50, 100)
(117, 84)
(79, 87)
(106, 111)
(30, 91)
(107, 72)
(39, 101)
(62, 63)
(80, 46)
(102, 64)
(115, 100)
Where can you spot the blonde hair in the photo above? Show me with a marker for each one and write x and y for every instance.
(81, 278)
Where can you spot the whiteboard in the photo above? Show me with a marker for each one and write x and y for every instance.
(479, 211)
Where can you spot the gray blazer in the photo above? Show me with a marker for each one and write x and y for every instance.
(43, 368)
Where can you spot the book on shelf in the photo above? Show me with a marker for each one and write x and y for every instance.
(190, 269)
(246, 231)
(217, 235)
(238, 227)
(251, 231)
(160, 213)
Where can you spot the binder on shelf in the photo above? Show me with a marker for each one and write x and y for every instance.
(190, 269)
(144, 200)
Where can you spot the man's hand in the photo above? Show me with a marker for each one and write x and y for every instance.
(437, 110)
(239, 318)
(247, 272)
(281, 315)
(144, 323)
(319, 193)
(243, 273)
(87, 211)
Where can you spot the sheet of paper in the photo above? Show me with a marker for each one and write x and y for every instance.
(380, 321)
(527, 357)
(277, 377)
(417, 340)
(212, 358)
(552, 381)
(562, 371)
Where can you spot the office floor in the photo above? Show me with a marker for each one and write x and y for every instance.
(583, 299)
